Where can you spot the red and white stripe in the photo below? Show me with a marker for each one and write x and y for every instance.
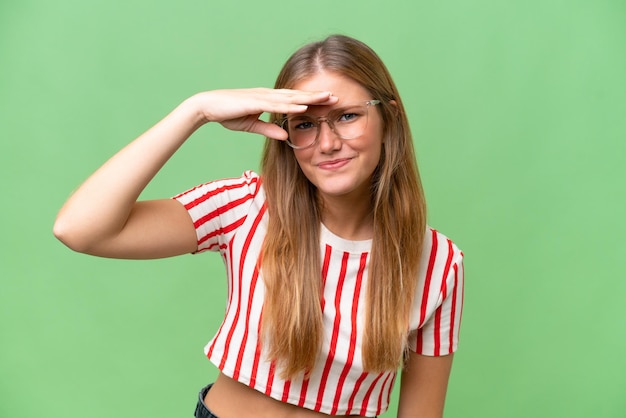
(230, 217)
(435, 325)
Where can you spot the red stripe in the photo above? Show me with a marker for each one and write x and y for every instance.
(212, 193)
(382, 391)
(255, 276)
(356, 390)
(257, 355)
(393, 381)
(335, 335)
(244, 340)
(353, 333)
(220, 247)
(303, 389)
(286, 390)
(326, 263)
(366, 400)
(270, 379)
(222, 210)
(221, 231)
(429, 274)
(327, 253)
(242, 180)
(446, 270)
(242, 261)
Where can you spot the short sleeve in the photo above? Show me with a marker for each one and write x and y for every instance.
(219, 207)
(441, 306)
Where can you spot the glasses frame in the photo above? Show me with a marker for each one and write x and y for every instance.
(318, 123)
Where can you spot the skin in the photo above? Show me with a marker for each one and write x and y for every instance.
(103, 216)
(423, 386)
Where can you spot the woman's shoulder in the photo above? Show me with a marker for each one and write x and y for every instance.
(434, 239)
(249, 177)
(439, 254)
(249, 182)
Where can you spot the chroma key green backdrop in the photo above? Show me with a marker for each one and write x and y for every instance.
(518, 110)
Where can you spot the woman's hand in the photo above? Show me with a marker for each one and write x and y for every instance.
(240, 110)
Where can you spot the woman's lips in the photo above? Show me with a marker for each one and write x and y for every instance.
(333, 164)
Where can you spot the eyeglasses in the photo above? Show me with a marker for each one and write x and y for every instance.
(347, 123)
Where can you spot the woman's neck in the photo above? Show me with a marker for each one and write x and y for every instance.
(351, 220)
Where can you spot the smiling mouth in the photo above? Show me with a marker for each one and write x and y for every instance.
(334, 164)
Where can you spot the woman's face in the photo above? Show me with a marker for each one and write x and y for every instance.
(341, 168)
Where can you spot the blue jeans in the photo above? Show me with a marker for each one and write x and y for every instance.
(201, 410)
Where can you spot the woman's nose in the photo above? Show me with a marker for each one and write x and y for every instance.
(328, 140)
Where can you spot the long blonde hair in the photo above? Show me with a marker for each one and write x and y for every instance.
(291, 263)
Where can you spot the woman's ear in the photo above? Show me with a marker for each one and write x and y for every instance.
(394, 105)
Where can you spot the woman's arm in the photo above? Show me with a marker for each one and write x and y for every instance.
(103, 217)
(423, 386)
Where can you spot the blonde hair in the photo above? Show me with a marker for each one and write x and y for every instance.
(291, 263)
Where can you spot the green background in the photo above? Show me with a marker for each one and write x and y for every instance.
(518, 110)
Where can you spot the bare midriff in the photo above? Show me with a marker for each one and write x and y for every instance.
(231, 399)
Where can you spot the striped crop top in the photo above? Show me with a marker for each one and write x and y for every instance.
(230, 217)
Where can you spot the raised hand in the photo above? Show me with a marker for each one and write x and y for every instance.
(240, 110)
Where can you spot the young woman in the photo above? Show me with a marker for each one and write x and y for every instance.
(335, 280)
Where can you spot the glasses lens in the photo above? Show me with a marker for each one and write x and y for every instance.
(302, 130)
(350, 123)
(347, 123)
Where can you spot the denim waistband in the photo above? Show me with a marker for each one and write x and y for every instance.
(201, 410)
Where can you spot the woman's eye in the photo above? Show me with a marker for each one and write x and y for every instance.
(304, 125)
(347, 117)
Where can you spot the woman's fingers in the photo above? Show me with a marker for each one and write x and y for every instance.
(269, 130)
(317, 98)
(287, 101)
(224, 105)
(253, 124)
